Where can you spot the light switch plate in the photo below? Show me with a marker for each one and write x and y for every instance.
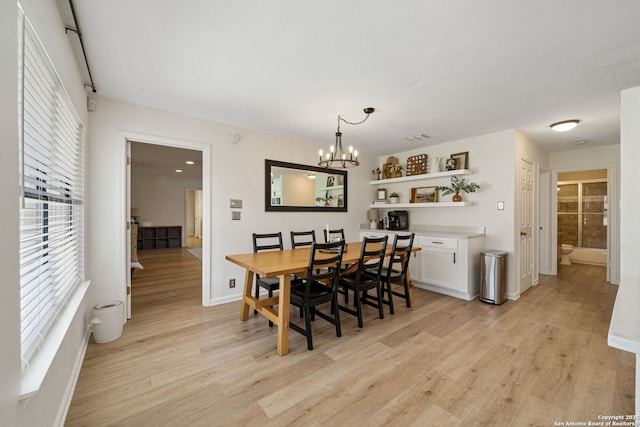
(235, 215)
(235, 203)
(500, 206)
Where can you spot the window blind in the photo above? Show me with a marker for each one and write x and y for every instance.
(52, 192)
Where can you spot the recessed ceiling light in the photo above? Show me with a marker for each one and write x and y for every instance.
(190, 162)
(564, 125)
(178, 170)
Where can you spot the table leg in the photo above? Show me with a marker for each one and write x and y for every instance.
(410, 286)
(283, 314)
(248, 285)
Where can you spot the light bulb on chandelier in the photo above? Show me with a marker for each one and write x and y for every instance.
(337, 157)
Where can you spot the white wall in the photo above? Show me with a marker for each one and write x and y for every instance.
(491, 159)
(629, 188)
(607, 157)
(48, 405)
(237, 173)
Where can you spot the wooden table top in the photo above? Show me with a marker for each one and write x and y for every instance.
(278, 263)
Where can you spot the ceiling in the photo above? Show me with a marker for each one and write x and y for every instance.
(446, 69)
(162, 160)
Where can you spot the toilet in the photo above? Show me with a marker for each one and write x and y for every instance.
(566, 250)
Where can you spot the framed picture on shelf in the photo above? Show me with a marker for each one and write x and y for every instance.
(424, 194)
(381, 194)
(331, 179)
(462, 160)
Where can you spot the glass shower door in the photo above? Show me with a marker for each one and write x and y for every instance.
(568, 216)
(594, 225)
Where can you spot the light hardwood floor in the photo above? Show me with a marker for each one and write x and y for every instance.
(535, 361)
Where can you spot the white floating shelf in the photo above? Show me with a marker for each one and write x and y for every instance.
(421, 205)
(421, 177)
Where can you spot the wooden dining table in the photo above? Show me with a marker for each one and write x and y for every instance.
(283, 264)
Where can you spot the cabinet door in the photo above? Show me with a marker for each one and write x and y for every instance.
(439, 267)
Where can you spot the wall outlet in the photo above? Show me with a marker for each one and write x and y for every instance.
(232, 283)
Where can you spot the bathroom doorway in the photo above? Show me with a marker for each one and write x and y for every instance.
(583, 217)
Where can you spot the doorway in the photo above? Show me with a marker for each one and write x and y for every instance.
(583, 217)
(149, 211)
(612, 213)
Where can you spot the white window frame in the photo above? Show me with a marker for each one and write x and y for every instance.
(51, 138)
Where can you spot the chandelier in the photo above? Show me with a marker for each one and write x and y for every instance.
(337, 157)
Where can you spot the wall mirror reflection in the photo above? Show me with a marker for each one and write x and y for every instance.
(293, 187)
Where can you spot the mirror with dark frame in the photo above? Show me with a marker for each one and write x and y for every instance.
(291, 187)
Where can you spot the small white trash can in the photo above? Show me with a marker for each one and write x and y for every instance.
(107, 321)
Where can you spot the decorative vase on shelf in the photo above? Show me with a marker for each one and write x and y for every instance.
(435, 164)
(393, 199)
(458, 185)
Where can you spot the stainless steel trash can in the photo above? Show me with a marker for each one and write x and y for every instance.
(493, 281)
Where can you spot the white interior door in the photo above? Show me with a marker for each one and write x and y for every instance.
(128, 231)
(198, 213)
(525, 264)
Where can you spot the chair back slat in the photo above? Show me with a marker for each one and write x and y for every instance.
(371, 257)
(267, 242)
(401, 252)
(333, 233)
(325, 260)
(302, 238)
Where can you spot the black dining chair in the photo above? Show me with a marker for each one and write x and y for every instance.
(366, 277)
(302, 238)
(319, 287)
(267, 242)
(333, 234)
(395, 272)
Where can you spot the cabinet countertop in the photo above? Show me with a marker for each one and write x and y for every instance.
(435, 231)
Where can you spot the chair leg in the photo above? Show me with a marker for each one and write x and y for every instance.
(406, 292)
(257, 297)
(358, 304)
(336, 313)
(307, 324)
(270, 295)
(390, 292)
(379, 294)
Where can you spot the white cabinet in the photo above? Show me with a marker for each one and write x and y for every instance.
(439, 261)
(449, 265)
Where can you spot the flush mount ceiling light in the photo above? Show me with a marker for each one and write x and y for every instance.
(337, 157)
(564, 125)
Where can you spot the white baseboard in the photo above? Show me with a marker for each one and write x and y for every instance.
(73, 380)
(224, 300)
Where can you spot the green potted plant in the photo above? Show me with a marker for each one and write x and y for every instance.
(458, 185)
(394, 197)
(326, 199)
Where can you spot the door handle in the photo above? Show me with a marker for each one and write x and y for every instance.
(522, 233)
